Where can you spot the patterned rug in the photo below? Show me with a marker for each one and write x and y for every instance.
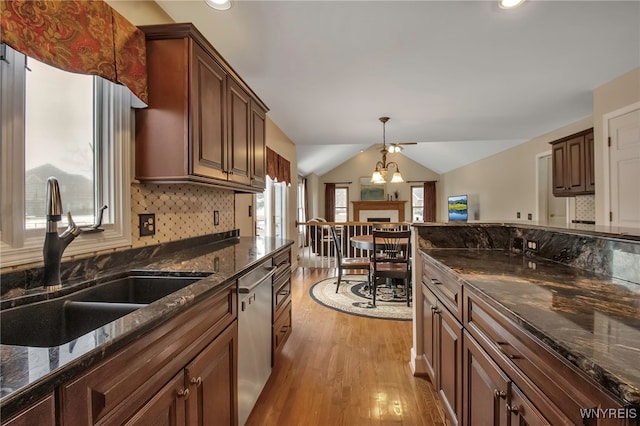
(354, 298)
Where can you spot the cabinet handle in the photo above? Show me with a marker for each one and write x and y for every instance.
(436, 282)
(183, 393)
(513, 409)
(504, 352)
(499, 394)
(196, 381)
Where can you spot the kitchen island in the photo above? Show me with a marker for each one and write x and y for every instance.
(32, 373)
(551, 330)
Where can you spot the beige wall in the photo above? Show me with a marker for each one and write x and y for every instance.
(618, 93)
(362, 165)
(504, 183)
(141, 12)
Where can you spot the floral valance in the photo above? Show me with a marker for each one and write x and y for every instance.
(278, 168)
(80, 36)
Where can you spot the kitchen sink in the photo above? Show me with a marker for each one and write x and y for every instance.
(57, 321)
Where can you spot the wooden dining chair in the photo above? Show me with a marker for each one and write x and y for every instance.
(391, 260)
(348, 263)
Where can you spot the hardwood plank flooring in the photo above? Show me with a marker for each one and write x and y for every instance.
(339, 369)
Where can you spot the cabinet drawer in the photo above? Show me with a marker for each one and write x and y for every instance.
(281, 294)
(444, 285)
(283, 258)
(120, 385)
(541, 374)
(281, 328)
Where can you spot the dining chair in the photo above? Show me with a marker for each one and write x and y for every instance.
(391, 260)
(348, 263)
(390, 226)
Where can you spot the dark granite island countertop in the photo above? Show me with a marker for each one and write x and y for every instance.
(29, 373)
(591, 320)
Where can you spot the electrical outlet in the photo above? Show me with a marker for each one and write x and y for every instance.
(216, 218)
(147, 224)
(517, 215)
(529, 216)
(518, 245)
(532, 245)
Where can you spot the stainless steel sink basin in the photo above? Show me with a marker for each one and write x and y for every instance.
(57, 321)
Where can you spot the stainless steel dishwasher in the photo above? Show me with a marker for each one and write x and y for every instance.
(254, 342)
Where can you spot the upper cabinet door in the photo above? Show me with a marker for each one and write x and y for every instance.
(258, 139)
(558, 164)
(208, 130)
(590, 173)
(239, 133)
(575, 171)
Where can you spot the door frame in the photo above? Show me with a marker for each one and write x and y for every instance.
(606, 177)
(569, 215)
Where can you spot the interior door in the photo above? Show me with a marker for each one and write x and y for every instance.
(624, 169)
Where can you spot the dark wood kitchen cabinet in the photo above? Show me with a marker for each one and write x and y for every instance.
(445, 347)
(485, 387)
(42, 413)
(199, 125)
(488, 370)
(181, 372)
(573, 165)
(443, 335)
(281, 302)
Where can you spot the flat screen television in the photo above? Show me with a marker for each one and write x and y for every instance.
(458, 206)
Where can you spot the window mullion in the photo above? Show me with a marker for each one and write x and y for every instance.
(12, 104)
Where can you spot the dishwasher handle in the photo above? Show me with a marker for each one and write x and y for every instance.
(249, 289)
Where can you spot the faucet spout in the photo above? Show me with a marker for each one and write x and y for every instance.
(54, 244)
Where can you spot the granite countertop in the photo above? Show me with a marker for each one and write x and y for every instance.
(591, 320)
(29, 373)
(604, 231)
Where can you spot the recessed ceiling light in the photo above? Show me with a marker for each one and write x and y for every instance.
(509, 4)
(219, 4)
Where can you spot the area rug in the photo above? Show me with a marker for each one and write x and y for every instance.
(354, 298)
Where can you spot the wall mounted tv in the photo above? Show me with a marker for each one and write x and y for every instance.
(458, 206)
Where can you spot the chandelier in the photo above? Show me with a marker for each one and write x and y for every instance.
(382, 167)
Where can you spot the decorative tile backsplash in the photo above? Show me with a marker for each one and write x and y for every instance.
(182, 211)
(586, 207)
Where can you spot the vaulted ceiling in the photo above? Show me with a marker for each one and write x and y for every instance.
(465, 79)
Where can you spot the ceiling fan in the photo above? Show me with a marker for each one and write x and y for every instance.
(394, 147)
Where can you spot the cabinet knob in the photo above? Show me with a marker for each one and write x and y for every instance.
(196, 381)
(183, 393)
(499, 394)
(513, 409)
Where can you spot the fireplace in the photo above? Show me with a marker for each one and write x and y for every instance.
(372, 211)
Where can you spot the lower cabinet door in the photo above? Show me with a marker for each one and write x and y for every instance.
(429, 306)
(212, 380)
(450, 364)
(485, 387)
(522, 412)
(166, 407)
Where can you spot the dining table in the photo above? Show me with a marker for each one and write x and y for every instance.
(365, 242)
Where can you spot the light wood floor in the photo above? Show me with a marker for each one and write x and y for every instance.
(339, 369)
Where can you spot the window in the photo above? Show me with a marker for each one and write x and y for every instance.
(71, 126)
(417, 203)
(342, 204)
